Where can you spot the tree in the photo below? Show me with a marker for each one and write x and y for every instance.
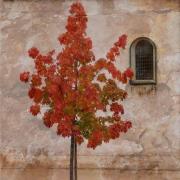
(74, 86)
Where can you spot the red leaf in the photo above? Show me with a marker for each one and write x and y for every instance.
(95, 139)
(129, 73)
(117, 108)
(33, 52)
(47, 119)
(24, 77)
(38, 95)
(36, 80)
(35, 109)
(122, 41)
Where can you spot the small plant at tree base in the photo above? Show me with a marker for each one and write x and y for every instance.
(74, 86)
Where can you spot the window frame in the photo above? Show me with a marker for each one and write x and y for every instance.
(132, 60)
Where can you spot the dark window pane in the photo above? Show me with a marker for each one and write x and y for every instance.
(144, 60)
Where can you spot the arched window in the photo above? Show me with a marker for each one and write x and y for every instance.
(143, 61)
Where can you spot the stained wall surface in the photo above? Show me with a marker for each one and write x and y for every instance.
(154, 141)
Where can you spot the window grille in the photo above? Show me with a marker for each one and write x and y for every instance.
(142, 61)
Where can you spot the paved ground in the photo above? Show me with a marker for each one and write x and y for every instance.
(59, 174)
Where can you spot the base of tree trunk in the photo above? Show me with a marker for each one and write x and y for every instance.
(73, 159)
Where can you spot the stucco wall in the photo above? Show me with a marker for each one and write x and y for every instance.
(154, 140)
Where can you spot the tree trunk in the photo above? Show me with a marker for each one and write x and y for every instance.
(73, 159)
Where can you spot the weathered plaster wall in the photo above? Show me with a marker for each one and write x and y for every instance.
(154, 140)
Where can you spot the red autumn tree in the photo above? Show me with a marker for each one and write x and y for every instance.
(75, 88)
